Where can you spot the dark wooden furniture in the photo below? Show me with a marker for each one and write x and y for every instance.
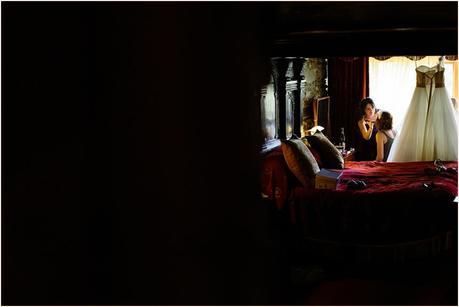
(337, 29)
(281, 101)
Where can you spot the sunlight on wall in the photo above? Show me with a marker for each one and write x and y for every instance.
(392, 83)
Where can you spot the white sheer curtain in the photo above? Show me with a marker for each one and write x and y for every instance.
(392, 83)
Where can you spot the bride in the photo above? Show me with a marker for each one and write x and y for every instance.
(429, 130)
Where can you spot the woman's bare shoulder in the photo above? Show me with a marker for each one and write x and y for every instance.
(380, 135)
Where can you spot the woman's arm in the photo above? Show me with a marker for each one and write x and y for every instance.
(366, 133)
(379, 146)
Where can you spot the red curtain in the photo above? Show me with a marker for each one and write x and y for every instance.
(347, 85)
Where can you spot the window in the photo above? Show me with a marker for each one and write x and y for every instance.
(392, 83)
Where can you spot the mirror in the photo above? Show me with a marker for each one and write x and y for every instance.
(321, 110)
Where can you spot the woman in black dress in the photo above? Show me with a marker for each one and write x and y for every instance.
(366, 141)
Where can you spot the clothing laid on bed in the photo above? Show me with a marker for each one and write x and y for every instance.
(429, 129)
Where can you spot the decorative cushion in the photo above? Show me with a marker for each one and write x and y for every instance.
(329, 154)
(316, 155)
(300, 161)
(314, 152)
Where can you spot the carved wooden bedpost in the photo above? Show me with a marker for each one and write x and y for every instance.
(280, 66)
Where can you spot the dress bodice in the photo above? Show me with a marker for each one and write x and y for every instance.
(426, 75)
(420, 79)
(440, 78)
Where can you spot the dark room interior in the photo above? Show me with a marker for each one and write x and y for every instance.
(134, 149)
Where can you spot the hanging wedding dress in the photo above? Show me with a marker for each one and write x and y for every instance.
(409, 143)
(440, 141)
(429, 129)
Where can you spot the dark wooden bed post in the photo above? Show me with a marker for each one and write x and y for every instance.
(297, 109)
(280, 66)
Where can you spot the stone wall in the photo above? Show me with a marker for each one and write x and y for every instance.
(315, 86)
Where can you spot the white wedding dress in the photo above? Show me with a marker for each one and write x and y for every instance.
(429, 130)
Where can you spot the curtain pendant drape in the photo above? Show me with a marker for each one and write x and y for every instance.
(415, 58)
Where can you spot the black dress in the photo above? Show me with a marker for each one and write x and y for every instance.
(366, 149)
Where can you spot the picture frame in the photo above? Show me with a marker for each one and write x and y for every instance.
(321, 113)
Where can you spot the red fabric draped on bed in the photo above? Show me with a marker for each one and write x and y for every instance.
(395, 205)
(385, 178)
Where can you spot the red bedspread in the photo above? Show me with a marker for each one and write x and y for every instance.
(395, 205)
(385, 178)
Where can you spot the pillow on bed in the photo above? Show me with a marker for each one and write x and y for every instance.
(300, 161)
(329, 154)
(314, 152)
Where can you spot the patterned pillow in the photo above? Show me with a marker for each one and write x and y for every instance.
(329, 154)
(300, 161)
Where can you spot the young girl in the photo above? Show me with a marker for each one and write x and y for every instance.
(385, 136)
